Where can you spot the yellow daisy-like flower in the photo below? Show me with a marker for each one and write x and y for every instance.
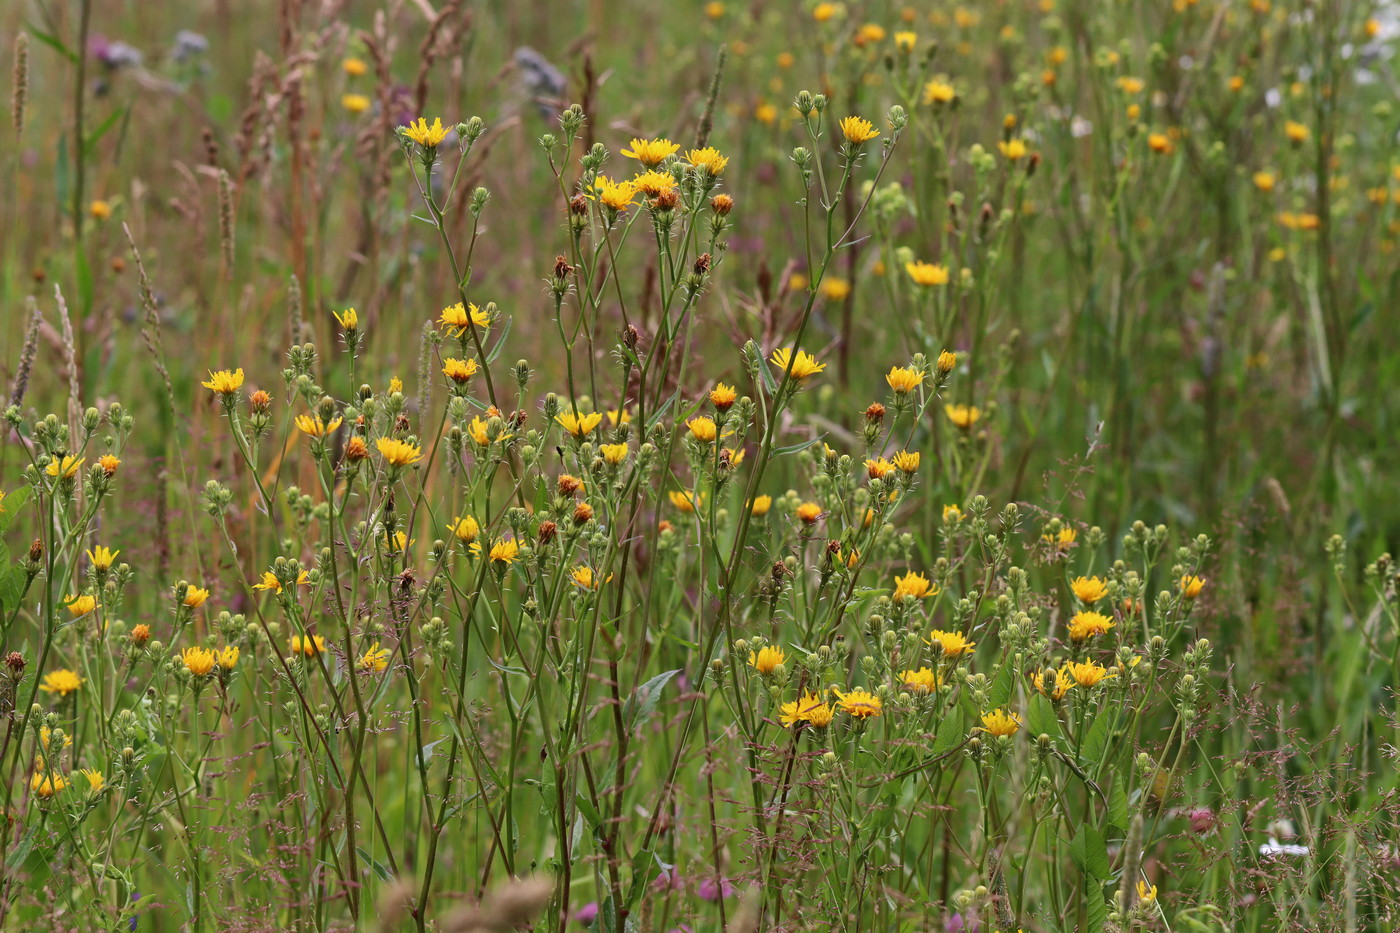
(1089, 589)
(858, 130)
(61, 681)
(907, 461)
(228, 657)
(651, 152)
(952, 515)
(459, 371)
(313, 426)
(1087, 673)
(1147, 893)
(947, 362)
(195, 596)
(1012, 149)
(709, 159)
(94, 779)
(1296, 132)
(654, 184)
(954, 643)
(723, 396)
(109, 464)
(46, 785)
(760, 505)
(465, 529)
(505, 551)
(904, 379)
(835, 289)
(355, 103)
(80, 605)
(101, 557)
(460, 318)
(803, 367)
(1130, 85)
(1000, 723)
(270, 581)
(819, 715)
(224, 382)
(1057, 688)
(921, 681)
(429, 137)
(309, 646)
(913, 586)
(1160, 143)
(702, 429)
(766, 659)
(198, 661)
(375, 659)
(1063, 541)
(1085, 625)
(354, 67)
(67, 466)
(904, 40)
(616, 195)
(962, 416)
(1191, 586)
(939, 91)
(878, 468)
(927, 274)
(860, 704)
(100, 210)
(584, 577)
(809, 513)
(803, 709)
(682, 499)
(398, 453)
(613, 453)
(580, 426)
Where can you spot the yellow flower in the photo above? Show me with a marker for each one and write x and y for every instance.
(835, 289)
(1160, 142)
(1131, 85)
(1000, 723)
(67, 466)
(1087, 624)
(459, 317)
(270, 581)
(761, 505)
(109, 464)
(907, 461)
(921, 681)
(723, 396)
(466, 528)
(964, 416)
(952, 514)
(682, 499)
(459, 371)
(709, 159)
(1236, 83)
(313, 426)
(1087, 674)
(766, 659)
(1089, 589)
(1264, 181)
(616, 195)
(809, 708)
(1064, 540)
(348, 319)
(397, 541)
(94, 778)
(375, 659)
(477, 431)
(355, 103)
(61, 681)
(654, 184)
(651, 152)
(824, 11)
(1147, 893)
(224, 382)
(613, 453)
(714, 9)
(1191, 586)
(195, 596)
(913, 586)
(80, 605)
(309, 646)
(1012, 149)
(1296, 132)
(953, 643)
(505, 551)
(939, 92)
(354, 67)
(100, 210)
(702, 429)
(804, 366)
(424, 135)
(1061, 685)
(584, 577)
(809, 512)
(878, 468)
(198, 661)
(228, 657)
(927, 274)
(819, 714)
(46, 785)
(860, 704)
(579, 426)
(904, 40)
(858, 130)
(395, 385)
(102, 557)
(398, 453)
(904, 379)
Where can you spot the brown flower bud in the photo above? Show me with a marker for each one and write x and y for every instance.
(547, 532)
(36, 551)
(578, 205)
(15, 662)
(875, 413)
(582, 513)
(722, 204)
(702, 264)
(260, 402)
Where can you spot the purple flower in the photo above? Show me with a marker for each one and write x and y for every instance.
(712, 890)
(587, 913)
(668, 881)
(960, 924)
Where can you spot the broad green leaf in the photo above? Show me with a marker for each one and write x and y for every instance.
(642, 703)
(1097, 738)
(950, 732)
(1041, 719)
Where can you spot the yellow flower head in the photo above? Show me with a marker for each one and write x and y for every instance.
(913, 586)
(615, 195)
(808, 708)
(723, 396)
(825, 11)
(860, 704)
(1084, 625)
(869, 34)
(653, 184)
(1060, 683)
(1147, 893)
(1296, 132)
(62, 682)
(109, 464)
(584, 577)
(1191, 586)
(67, 466)
(355, 103)
(308, 647)
(1130, 85)
(766, 659)
(46, 785)
(1160, 143)
(613, 453)
(878, 468)
(809, 513)
(927, 273)
(904, 40)
(1012, 149)
(102, 557)
(803, 367)
(270, 581)
(921, 681)
(1000, 723)
(953, 643)
(702, 429)
(94, 779)
(195, 596)
(80, 605)
(459, 371)
(228, 657)
(424, 135)
(858, 130)
(375, 659)
(465, 529)
(1087, 673)
(709, 159)
(1089, 590)
(761, 505)
(904, 379)
(962, 416)
(907, 461)
(952, 515)
(460, 318)
(939, 92)
(224, 382)
(313, 426)
(398, 453)
(505, 551)
(100, 210)
(651, 152)
(580, 426)
(198, 661)
(354, 67)
(683, 500)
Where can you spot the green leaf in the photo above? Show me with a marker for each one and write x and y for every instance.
(1041, 719)
(1118, 805)
(54, 43)
(11, 505)
(1096, 914)
(1089, 852)
(11, 588)
(950, 733)
(642, 703)
(645, 868)
(374, 865)
(1097, 738)
(1000, 694)
(96, 135)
